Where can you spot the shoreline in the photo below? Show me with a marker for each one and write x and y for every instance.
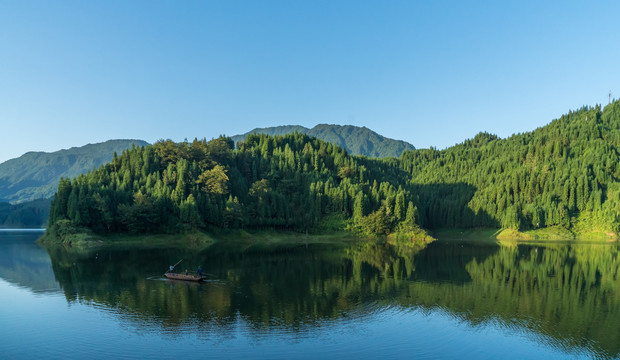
(272, 237)
(199, 238)
(24, 229)
(551, 234)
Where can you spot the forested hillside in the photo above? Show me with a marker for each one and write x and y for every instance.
(35, 175)
(564, 174)
(286, 182)
(356, 140)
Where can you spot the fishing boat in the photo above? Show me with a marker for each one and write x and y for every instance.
(188, 277)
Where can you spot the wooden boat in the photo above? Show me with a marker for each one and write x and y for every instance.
(188, 277)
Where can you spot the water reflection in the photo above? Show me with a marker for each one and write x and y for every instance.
(565, 295)
(24, 263)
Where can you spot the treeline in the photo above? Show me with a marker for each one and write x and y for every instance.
(564, 174)
(30, 214)
(284, 182)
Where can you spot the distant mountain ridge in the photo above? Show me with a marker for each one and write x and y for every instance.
(356, 140)
(25, 215)
(35, 175)
(27, 182)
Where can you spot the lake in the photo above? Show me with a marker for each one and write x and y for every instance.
(449, 299)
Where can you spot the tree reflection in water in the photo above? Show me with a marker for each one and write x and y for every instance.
(569, 294)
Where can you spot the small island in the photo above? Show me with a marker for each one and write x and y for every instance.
(292, 183)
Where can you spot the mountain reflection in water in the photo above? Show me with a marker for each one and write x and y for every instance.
(564, 295)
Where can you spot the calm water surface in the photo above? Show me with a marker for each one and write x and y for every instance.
(447, 300)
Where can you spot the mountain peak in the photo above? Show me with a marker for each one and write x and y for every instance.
(355, 139)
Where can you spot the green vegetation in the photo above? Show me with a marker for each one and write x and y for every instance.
(564, 174)
(553, 233)
(557, 182)
(356, 140)
(472, 234)
(292, 182)
(83, 239)
(35, 175)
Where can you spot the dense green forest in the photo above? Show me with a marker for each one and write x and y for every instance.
(564, 174)
(283, 182)
(354, 139)
(35, 175)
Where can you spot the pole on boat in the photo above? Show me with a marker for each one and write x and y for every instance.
(173, 266)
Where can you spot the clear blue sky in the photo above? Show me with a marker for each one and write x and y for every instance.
(432, 73)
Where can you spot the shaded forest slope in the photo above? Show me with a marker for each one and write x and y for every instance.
(563, 174)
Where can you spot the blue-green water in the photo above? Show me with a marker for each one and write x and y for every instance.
(448, 300)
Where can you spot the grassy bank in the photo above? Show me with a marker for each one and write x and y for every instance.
(200, 239)
(555, 233)
(332, 229)
(410, 236)
(89, 239)
(479, 234)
